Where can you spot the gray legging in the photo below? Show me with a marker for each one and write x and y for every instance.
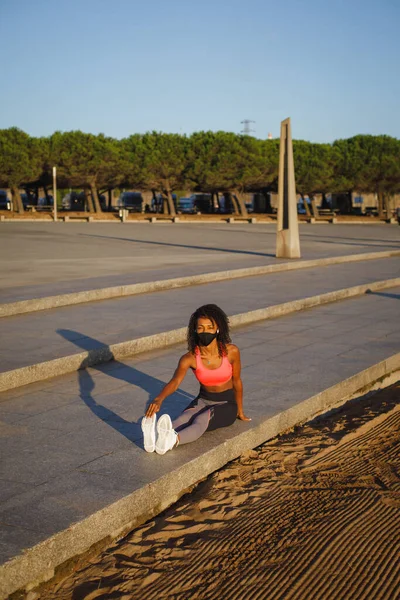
(194, 421)
(209, 411)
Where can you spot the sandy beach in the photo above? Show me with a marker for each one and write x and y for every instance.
(311, 514)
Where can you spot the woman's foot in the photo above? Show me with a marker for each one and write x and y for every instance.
(149, 433)
(166, 436)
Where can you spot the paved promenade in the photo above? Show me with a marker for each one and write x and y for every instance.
(43, 259)
(72, 446)
(36, 337)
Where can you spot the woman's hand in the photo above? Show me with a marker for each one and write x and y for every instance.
(243, 417)
(153, 408)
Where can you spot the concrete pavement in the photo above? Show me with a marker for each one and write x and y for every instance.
(73, 471)
(38, 260)
(72, 449)
(33, 338)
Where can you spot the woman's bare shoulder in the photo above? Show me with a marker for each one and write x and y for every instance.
(188, 360)
(233, 351)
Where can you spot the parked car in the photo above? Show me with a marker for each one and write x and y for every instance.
(226, 204)
(203, 203)
(103, 202)
(262, 203)
(5, 203)
(187, 206)
(157, 204)
(131, 201)
(28, 200)
(45, 203)
(74, 201)
(371, 211)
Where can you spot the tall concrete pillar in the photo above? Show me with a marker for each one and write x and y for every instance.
(287, 238)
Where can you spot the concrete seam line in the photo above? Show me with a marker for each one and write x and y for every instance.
(67, 364)
(129, 512)
(49, 302)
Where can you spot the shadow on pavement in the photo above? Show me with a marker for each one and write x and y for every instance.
(371, 242)
(118, 370)
(211, 248)
(384, 294)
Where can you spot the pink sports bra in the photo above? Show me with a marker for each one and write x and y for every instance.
(211, 377)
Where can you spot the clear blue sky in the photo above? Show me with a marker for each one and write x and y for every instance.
(127, 66)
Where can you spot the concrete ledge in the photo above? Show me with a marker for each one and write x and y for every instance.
(25, 306)
(11, 220)
(262, 219)
(82, 219)
(38, 564)
(73, 362)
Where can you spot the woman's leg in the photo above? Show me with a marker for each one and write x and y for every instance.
(189, 413)
(195, 427)
(222, 415)
(199, 418)
(185, 417)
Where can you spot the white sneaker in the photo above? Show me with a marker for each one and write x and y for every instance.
(149, 432)
(166, 436)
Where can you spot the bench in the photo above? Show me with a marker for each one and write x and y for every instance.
(327, 212)
(70, 218)
(34, 208)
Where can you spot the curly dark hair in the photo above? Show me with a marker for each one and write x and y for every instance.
(215, 314)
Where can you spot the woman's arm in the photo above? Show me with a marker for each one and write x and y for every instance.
(237, 382)
(184, 363)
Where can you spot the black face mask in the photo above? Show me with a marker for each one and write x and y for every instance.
(205, 339)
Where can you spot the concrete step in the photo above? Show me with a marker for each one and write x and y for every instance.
(37, 337)
(74, 471)
(53, 258)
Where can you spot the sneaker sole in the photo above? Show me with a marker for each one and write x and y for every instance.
(149, 433)
(164, 427)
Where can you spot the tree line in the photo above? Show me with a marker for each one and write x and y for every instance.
(210, 162)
